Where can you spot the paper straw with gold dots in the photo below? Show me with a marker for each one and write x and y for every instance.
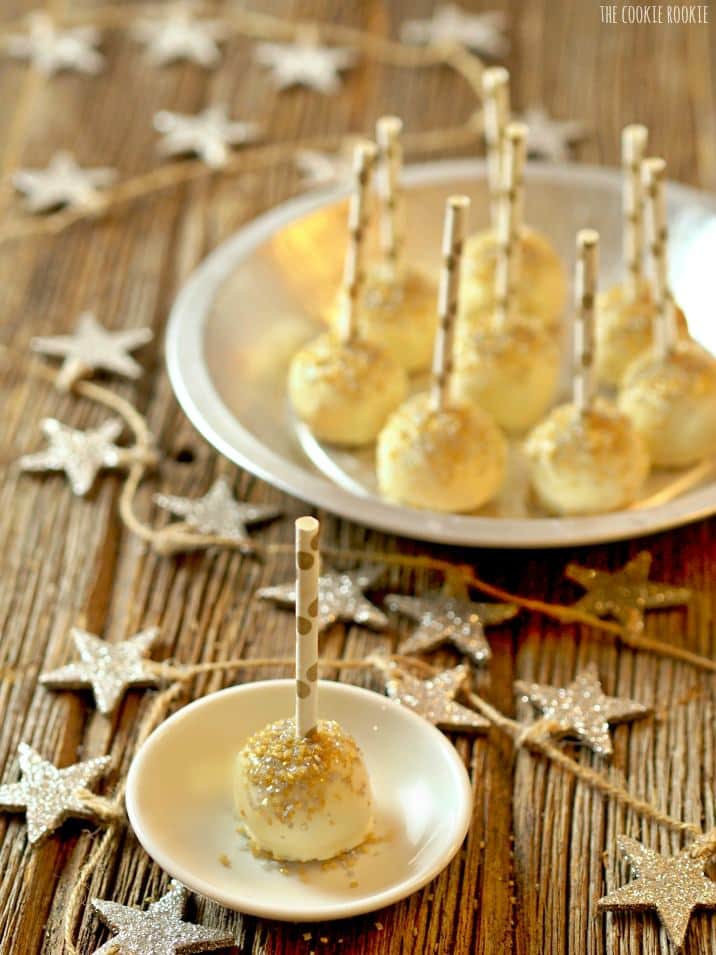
(364, 158)
(496, 112)
(634, 139)
(654, 175)
(585, 291)
(390, 152)
(308, 568)
(453, 237)
(509, 220)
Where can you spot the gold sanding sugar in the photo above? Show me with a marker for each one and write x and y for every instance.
(225, 860)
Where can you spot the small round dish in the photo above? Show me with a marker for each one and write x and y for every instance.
(179, 802)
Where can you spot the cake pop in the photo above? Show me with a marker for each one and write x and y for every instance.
(435, 452)
(341, 386)
(507, 363)
(541, 288)
(585, 457)
(301, 787)
(669, 392)
(396, 308)
(625, 312)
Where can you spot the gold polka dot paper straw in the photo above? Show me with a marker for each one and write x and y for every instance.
(363, 162)
(390, 153)
(496, 99)
(456, 210)
(509, 220)
(654, 175)
(585, 291)
(308, 560)
(634, 139)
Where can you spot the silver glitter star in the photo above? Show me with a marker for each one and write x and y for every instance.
(625, 594)
(157, 930)
(446, 619)
(581, 709)
(92, 347)
(51, 49)
(217, 512)
(449, 24)
(673, 885)
(433, 699)
(549, 138)
(180, 35)
(63, 183)
(207, 135)
(305, 64)
(49, 795)
(340, 597)
(109, 668)
(80, 454)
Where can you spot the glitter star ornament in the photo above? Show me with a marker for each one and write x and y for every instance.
(208, 134)
(322, 169)
(157, 930)
(673, 885)
(446, 619)
(434, 699)
(92, 347)
(49, 795)
(340, 598)
(178, 34)
(217, 512)
(305, 63)
(626, 593)
(549, 138)
(50, 49)
(63, 183)
(109, 668)
(581, 709)
(449, 25)
(80, 454)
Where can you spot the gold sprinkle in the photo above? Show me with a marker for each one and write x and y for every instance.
(225, 860)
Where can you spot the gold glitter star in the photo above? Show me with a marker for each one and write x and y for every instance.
(434, 699)
(581, 709)
(340, 597)
(50, 795)
(158, 930)
(673, 885)
(625, 594)
(109, 668)
(443, 618)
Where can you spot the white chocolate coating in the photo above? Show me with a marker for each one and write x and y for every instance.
(541, 290)
(672, 404)
(624, 330)
(512, 373)
(303, 798)
(586, 463)
(449, 459)
(396, 313)
(344, 391)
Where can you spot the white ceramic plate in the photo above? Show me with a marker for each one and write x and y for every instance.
(245, 311)
(179, 802)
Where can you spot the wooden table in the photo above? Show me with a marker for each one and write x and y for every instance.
(540, 846)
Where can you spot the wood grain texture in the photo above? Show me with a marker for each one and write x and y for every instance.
(541, 849)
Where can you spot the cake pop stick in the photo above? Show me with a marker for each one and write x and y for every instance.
(654, 173)
(496, 111)
(509, 220)
(363, 162)
(634, 139)
(585, 291)
(388, 130)
(307, 572)
(453, 238)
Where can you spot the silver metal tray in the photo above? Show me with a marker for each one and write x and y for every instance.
(256, 298)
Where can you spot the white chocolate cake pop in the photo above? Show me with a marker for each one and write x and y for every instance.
(396, 308)
(435, 452)
(585, 457)
(301, 788)
(541, 287)
(340, 385)
(625, 312)
(507, 363)
(669, 393)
